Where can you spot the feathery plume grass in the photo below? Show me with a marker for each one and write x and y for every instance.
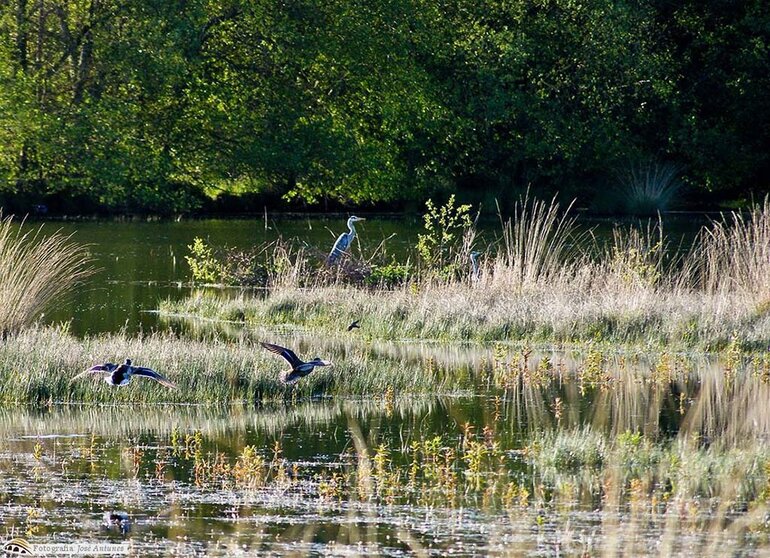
(734, 255)
(36, 271)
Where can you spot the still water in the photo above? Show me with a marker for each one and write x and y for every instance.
(543, 467)
(141, 263)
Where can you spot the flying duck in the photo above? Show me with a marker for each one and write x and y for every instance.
(299, 368)
(120, 374)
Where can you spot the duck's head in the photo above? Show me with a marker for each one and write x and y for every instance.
(318, 361)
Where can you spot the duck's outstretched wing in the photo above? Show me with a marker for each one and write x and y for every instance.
(106, 368)
(288, 354)
(150, 373)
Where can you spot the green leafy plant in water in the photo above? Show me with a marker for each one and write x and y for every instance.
(204, 265)
(445, 227)
(230, 266)
(389, 275)
(250, 469)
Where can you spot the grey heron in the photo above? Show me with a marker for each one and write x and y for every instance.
(121, 374)
(299, 368)
(344, 240)
(475, 265)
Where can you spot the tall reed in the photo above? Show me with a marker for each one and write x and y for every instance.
(538, 244)
(36, 271)
(734, 255)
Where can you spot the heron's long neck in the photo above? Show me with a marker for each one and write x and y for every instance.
(352, 229)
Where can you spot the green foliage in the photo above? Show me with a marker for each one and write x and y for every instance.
(255, 267)
(445, 226)
(389, 275)
(148, 106)
(204, 266)
(636, 257)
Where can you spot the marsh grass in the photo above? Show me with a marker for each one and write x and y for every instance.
(36, 366)
(36, 270)
(539, 286)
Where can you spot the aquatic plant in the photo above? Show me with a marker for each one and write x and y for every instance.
(648, 188)
(36, 271)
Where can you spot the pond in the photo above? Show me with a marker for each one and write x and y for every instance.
(667, 465)
(532, 452)
(142, 262)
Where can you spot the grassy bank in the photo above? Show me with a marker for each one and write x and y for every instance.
(542, 281)
(36, 367)
(456, 312)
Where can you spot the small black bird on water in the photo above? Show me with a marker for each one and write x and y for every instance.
(353, 326)
(299, 368)
(120, 374)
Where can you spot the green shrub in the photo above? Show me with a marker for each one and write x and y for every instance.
(205, 267)
(441, 246)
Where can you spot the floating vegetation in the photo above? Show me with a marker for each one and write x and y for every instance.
(464, 475)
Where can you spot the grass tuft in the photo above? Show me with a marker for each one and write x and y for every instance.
(35, 272)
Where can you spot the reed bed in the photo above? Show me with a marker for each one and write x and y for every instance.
(536, 285)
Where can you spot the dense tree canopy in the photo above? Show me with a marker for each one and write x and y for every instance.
(158, 105)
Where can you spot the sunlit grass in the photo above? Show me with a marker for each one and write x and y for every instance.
(36, 270)
(538, 286)
(36, 366)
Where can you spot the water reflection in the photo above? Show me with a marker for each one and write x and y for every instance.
(660, 454)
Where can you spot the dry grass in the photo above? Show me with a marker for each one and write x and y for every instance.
(539, 287)
(36, 271)
(733, 255)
